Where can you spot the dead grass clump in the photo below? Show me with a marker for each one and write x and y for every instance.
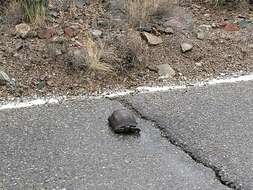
(94, 53)
(140, 10)
(241, 4)
(129, 51)
(34, 10)
(13, 12)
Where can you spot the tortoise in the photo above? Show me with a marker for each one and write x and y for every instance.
(123, 121)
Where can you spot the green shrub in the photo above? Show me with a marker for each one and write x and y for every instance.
(34, 10)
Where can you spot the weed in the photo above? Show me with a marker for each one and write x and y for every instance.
(218, 2)
(140, 10)
(94, 53)
(34, 10)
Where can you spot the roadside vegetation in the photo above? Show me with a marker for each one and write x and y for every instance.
(66, 47)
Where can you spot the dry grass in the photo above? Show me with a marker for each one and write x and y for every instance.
(140, 11)
(13, 12)
(218, 2)
(72, 7)
(34, 10)
(94, 53)
(238, 3)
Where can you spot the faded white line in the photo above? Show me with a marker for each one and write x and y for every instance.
(29, 103)
(143, 89)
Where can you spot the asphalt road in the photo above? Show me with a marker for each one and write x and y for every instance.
(206, 143)
(213, 124)
(69, 146)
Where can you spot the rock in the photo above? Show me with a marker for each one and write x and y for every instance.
(151, 39)
(70, 32)
(245, 23)
(207, 15)
(169, 30)
(231, 27)
(4, 78)
(214, 25)
(199, 64)
(22, 30)
(80, 3)
(200, 35)
(166, 71)
(186, 47)
(204, 27)
(250, 46)
(123, 121)
(17, 55)
(46, 33)
(53, 13)
(97, 33)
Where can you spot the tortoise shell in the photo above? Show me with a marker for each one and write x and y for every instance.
(123, 121)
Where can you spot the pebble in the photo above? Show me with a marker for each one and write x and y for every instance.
(152, 39)
(200, 35)
(169, 30)
(231, 27)
(199, 64)
(97, 33)
(22, 30)
(166, 71)
(4, 78)
(186, 47)
(46, 33)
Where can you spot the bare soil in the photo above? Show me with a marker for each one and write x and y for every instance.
(37, 70)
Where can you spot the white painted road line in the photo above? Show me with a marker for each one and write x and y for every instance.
(29, 102)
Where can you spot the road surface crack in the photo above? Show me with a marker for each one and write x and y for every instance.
(176, 142)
